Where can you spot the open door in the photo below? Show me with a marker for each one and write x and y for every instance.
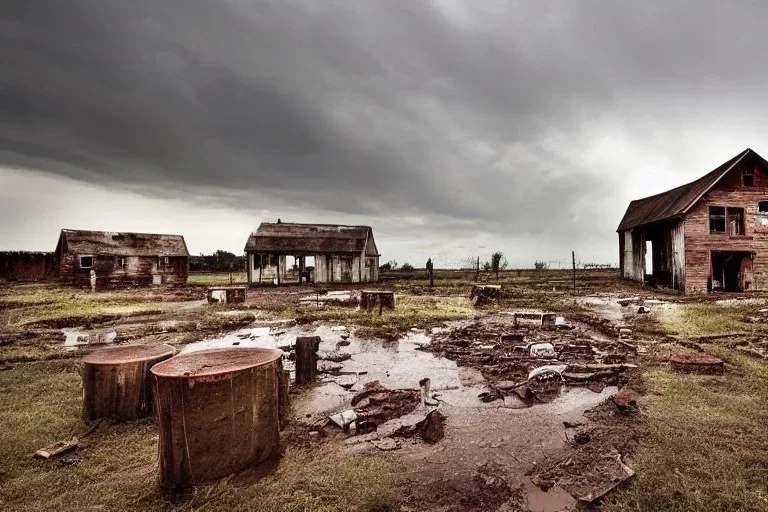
(746, 274)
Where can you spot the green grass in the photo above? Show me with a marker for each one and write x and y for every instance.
(47, 306)
(708, 319)
(216, 278)
(40, 403)
(709, 444)
(410, 311)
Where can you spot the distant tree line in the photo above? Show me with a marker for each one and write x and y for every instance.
(219, 261)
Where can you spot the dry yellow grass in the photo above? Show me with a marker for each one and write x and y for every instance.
(40, 403)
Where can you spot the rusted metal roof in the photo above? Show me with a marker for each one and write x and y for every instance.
(676, 202)
(289, 238)
(123, 244)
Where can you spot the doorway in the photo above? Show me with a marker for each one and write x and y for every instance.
(731, 271)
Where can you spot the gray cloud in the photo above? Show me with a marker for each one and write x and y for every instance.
(466, 115)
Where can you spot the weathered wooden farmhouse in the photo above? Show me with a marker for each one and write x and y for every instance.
(711, 234)
(321, 253)
(121, 259)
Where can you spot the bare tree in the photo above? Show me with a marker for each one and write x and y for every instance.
(498, 262)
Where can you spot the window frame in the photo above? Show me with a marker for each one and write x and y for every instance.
(724, 219)
(751, 173)
(80, 260)
(765, 201)
(743, 212)
(121, 262)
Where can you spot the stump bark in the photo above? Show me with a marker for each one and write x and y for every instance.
(117, 384)
(306, 358)
(284, 377)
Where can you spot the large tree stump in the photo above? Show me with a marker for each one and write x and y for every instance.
(217, 412)
(116, 381)
(306, 358)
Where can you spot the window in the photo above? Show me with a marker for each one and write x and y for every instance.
(163, 262)
(717, 219)
(748, 177)
(762, 206)
(86, 261)
(120, 262)
(736, 221)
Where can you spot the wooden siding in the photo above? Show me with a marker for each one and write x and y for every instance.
(699, 242)
(138, 271)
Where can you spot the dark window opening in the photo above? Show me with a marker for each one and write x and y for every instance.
(748, 177)
(120, 262)
(762, 206)
(736, 221)
(717, 219)
(86, 261)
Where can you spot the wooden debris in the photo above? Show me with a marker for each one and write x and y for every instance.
(57, 448)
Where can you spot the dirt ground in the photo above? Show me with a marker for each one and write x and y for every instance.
(456, 403)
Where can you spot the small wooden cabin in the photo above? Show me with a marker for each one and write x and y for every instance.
(282, 252)
(121, 259)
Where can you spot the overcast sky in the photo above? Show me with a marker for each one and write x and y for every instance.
(452, 127)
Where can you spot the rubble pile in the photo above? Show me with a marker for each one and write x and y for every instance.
(485, 295)
(382, 417)
(600, 456)
(533, 361)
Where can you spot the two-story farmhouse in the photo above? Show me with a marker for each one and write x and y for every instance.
(711, 234)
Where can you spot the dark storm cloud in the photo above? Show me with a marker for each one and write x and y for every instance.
(437, 110)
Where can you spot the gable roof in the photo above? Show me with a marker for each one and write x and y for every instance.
(123, 244)
(289, 238)
(676, 202)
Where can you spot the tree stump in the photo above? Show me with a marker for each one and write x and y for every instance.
(217, 413)
(116, 381)
(306, 358)
(377, 300)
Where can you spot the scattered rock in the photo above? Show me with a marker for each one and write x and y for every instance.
(431, 430)
(626, 399)
(492, 477)
(386, 444)
(324, 366)
(346, 381)
(336, 357)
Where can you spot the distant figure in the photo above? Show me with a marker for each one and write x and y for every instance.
(431, 275)
(279, 221)
(93, 281)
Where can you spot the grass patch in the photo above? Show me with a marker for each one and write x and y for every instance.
(59, 307)
(216, 278)
(708, 319)
(410, 311)
(709, 445)
(40, 403)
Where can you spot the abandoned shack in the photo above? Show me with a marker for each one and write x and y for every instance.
(121, 259)
(320, 253)
(708, 235)
(26, 266)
